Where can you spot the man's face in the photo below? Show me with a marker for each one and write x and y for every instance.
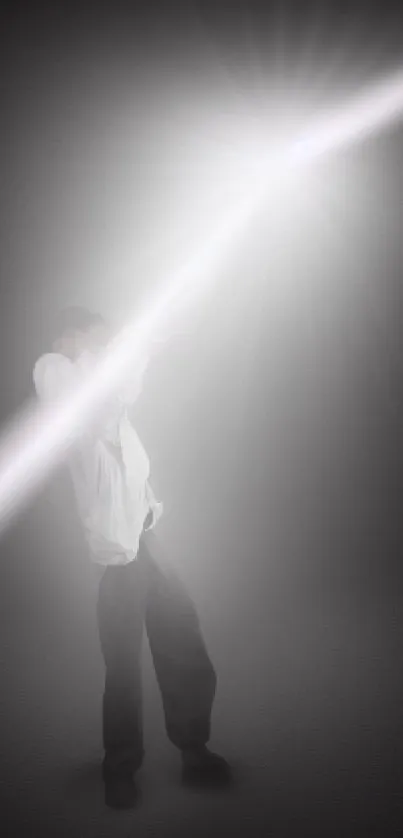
(98, 337)
(68, 344)
(73, 343)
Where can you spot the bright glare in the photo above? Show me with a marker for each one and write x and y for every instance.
(366, 114)
(39, 439)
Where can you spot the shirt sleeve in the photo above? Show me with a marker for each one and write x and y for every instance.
(53, 374)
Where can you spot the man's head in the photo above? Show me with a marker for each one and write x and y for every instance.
(78, 330)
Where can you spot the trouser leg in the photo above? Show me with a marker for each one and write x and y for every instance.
(120, 614)
(185, 673)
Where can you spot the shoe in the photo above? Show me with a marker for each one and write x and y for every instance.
(201, 766)
(120, 791)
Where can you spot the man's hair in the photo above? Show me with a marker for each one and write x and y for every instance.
(76, 318)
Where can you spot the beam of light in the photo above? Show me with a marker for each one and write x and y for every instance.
(39, 439)
(366, 114)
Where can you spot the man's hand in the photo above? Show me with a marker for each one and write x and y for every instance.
(153, 515)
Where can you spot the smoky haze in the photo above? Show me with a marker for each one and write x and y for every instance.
(272, 418)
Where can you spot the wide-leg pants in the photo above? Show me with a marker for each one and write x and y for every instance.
(132, 596)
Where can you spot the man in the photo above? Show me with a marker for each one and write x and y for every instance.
(110, 471)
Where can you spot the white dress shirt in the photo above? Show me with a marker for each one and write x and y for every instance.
(109, 465)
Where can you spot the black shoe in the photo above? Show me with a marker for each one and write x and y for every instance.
(201, 766)
(120, 790)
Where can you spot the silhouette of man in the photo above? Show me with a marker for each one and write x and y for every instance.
(110, 471)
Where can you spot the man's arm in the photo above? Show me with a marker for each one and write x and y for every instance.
(54, 377)
(54, 374)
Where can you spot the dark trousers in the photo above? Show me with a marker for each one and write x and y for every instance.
(131, 596)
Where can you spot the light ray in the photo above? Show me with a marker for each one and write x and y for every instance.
(39, 439)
